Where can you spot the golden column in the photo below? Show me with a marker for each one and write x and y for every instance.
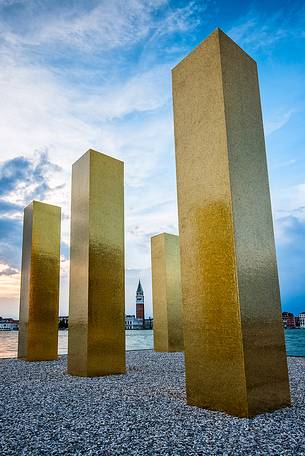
(166, 286)
(234, 342)
(96, 316)
(39, 293)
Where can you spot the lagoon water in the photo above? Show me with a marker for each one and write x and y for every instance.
(295, 342)
(139, 340)
(135, 340)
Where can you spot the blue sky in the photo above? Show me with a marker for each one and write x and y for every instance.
(97, 74)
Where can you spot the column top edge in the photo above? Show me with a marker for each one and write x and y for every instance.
(219, 35)
(164, 234)
(91, 152)
(42, 203)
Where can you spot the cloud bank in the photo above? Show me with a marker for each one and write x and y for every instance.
(78, 75)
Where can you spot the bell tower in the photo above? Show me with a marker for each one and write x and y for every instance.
(140, 303)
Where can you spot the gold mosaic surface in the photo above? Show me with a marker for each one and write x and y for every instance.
(234, 342)
(166, 286)
(96, 312)
(39, 294)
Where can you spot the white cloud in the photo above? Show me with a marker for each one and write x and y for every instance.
(42, 110)
(39, 113)
(105, 25)
(9, 282)
(289, 214)
(145, 91)
(111, 24)
(277, 121)
(255, 33)
(290, 201)
(259, 32)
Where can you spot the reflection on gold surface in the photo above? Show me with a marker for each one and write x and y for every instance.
(166, 286)
(96, 317)
(39, 294)
(234, 342)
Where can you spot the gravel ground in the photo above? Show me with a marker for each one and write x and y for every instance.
(44, 411)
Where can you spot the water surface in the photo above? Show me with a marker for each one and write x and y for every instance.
(135, 340)
(139, 340)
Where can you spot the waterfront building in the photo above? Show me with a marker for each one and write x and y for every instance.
(302, 319)
(148, 323)
(131, 322)
(63, 322)
(292, 321)
(8, 324)
(288, 320)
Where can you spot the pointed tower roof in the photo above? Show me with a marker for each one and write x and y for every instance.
(140, 289)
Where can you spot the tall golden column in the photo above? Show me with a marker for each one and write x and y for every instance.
(166, 287)
(234, 342)
(39, 293)
(96, 315)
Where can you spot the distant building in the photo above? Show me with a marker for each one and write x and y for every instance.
(63, 322)
(291, 321)
(302, 319)
(8, 324)
(149, 323)
(140, 313)
(288, 320)
(131, 322)
(139, 321)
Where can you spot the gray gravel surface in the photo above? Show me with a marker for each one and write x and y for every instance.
(44, 411)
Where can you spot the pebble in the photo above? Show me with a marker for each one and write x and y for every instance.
(45, 411)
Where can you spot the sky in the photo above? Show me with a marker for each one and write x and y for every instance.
(76, 75)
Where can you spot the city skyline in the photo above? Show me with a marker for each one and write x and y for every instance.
(76, 76)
